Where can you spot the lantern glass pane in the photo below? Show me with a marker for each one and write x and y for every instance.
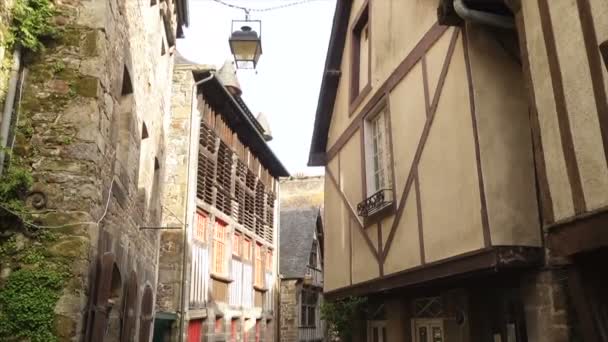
(244, 50)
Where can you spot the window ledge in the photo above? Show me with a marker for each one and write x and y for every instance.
(260, 288)
(387, 210)
(222, 278)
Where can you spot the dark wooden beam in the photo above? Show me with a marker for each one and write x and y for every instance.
(483, 261)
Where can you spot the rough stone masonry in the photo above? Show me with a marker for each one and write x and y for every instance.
(92, 117)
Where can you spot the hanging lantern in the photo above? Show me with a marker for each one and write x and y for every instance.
(246, 43)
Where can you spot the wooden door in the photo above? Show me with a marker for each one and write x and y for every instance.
(195, 330)
(377, 331)
(428, 330)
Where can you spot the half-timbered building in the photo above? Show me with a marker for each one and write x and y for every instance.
(301, 262)
(464, 145)
(220, 277)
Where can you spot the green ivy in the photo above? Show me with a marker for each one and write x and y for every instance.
(32, 23)
(14, 185)
(341, 314)
(27, 303)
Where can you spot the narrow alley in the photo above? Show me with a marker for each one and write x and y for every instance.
(303, 170)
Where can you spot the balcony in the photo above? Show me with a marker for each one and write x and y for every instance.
(376, 203)
(313, 277)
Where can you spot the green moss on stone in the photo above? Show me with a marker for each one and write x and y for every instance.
(87, 86)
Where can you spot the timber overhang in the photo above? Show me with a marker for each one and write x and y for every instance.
(482, 262)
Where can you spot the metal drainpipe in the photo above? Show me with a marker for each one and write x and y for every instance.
(481, 17)
(9, 104)
(187, 220)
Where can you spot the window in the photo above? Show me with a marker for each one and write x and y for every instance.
(312, 262)
(236, 244)
(308, 307)
(259, 266)
(361, 57)
(378, 171)
(378, 163)
(269, 261)
(220, 236)
(246, 249)
(202, 220)
(376, 332)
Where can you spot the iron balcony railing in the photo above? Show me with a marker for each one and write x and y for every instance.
(376, 202)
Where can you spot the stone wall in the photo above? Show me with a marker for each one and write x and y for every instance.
(288, 332)
(85, 102)
(300, 192)
(176, 192)
(549, 312)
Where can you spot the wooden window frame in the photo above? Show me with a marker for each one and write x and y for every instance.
(246, 250)
(258, 267)
(237, 244)
(381, 108)
(362, 21)
(306, 307)
(220, 239)
(201, 230)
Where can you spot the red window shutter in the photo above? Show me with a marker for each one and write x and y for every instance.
(195, 330)
(100, 310)
(233, 330)
(257, 330)
(130, 310)
(202, 220)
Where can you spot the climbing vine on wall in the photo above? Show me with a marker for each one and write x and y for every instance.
(27, 303)
(341, 314)
(32, 23)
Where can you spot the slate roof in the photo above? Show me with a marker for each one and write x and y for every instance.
(297, 233)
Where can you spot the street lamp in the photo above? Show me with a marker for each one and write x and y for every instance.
(246, 43)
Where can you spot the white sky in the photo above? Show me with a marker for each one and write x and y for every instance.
(286, 84)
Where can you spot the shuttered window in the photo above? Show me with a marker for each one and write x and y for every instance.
(259, 265)
(220, 235)
(236, 244)
(202, 222)
(269, 261)
(231, 179)
(246, 249)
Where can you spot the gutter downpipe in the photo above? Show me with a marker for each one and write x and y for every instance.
(188, 218)
(9, 105)
(481, 17)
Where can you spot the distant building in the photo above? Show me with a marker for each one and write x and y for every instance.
(223, 178)
(301, 260)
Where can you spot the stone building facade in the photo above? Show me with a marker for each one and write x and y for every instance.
(218, 277)
(91, 121)
(301, 266)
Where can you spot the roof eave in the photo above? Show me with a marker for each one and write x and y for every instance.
(273, 163)
(329, 83)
